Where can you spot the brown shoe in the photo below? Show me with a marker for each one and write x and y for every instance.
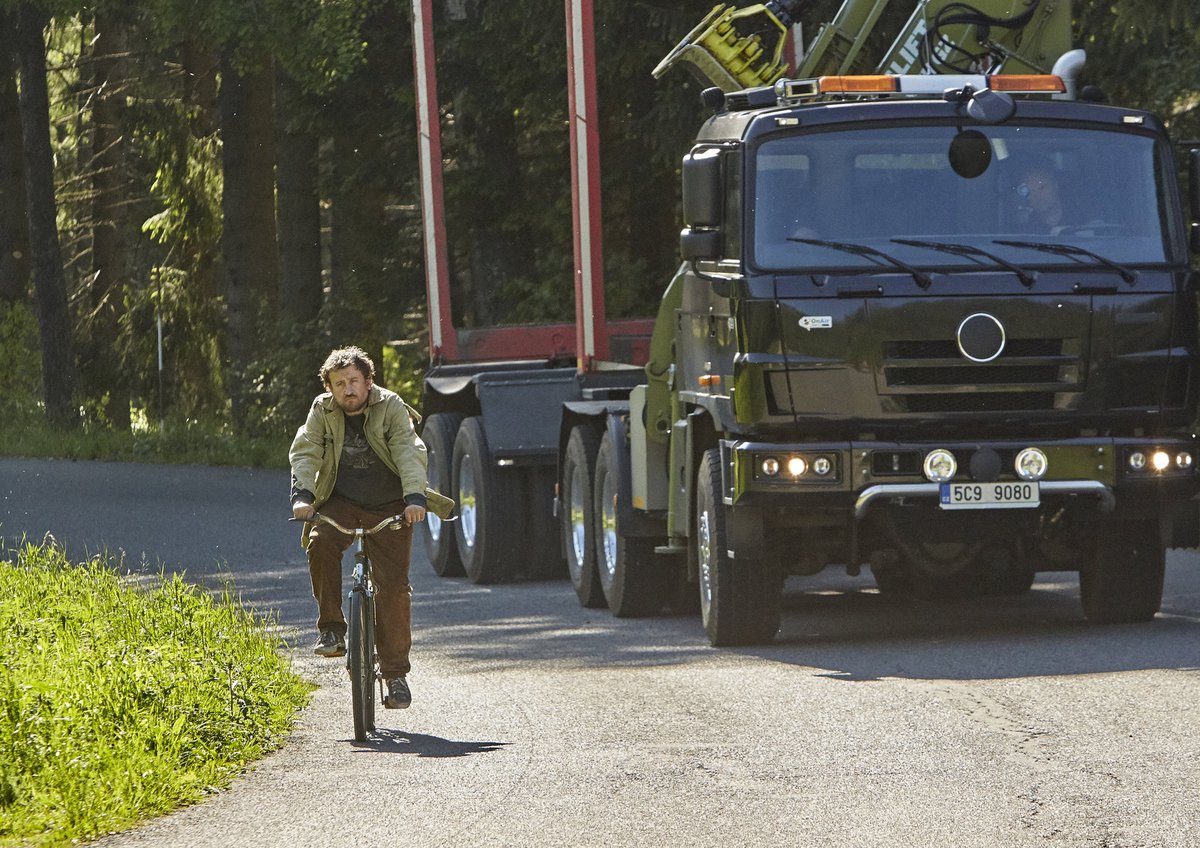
(330, 645)
(398, 695)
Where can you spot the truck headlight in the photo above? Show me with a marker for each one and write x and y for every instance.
(940, 465)
(770, 466)
(1146, 462)
(796, 466)
(1030, 464)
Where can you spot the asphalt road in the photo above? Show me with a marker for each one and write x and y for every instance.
(870, 722)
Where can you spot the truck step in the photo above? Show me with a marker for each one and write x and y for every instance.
(671, 550)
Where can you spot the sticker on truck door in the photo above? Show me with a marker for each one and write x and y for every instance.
(817, 322)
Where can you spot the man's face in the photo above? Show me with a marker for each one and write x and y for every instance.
(1039, 190)
(350, 388)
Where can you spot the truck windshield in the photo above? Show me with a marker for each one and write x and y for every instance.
(1101, 190)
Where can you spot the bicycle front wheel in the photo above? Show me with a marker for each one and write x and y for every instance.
(361, 662)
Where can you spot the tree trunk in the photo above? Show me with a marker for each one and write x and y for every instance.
(300, 292)
(14, 225)
(101, 369)
(200, 89)
(248, 245)
(359, 227)
(54, 320)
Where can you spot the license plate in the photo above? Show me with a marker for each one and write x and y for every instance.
(989, 495)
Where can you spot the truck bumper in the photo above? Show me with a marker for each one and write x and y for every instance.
(1106, 500)
(853, 477)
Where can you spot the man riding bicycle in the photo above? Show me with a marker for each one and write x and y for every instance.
(359, 460)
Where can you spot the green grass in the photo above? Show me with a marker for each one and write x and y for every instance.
(186, 443)
(120, 702)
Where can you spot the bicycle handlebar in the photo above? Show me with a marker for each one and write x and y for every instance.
(394, 522)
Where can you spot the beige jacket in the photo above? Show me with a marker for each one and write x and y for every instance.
(388, 426)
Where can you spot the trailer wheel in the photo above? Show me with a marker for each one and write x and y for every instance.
(739, 602)
(578, 515)
(634, 581)
(487, 532)
(438, 434)
(1123, 581)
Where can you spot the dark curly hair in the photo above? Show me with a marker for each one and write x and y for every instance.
(347, 357)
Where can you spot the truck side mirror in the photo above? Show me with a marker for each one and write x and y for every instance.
(1194, 196)
(699, 244)
(703, 205)
(702, 200)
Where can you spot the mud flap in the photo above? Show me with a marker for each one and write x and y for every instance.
(1185, 526)
(744, 524)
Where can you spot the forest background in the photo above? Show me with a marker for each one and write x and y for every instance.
(240, 179)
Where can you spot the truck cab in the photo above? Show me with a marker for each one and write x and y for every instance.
(943, 325)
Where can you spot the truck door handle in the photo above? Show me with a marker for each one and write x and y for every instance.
(873, 291)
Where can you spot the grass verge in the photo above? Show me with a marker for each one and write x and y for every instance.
(187, 443)
(119, 703)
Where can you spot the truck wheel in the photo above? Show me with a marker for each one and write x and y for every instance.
(438, 434)
(634, 581)
(578, 515)
(1123, 582)
(739, 602)
(487, 532)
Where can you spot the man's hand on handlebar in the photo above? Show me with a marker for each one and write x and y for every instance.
(305, 512)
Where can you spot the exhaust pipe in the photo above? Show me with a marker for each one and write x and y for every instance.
(1069, 66)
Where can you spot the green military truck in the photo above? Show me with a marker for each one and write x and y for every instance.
(942, 324)
(946, 326)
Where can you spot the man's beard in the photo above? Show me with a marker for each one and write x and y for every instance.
(353, 407)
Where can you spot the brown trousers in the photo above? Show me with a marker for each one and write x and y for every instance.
(389, 552)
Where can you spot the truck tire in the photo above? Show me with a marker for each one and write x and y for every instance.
(438, 433)
(487, 533)
(1123, 581)
(578, 515)
(634, 581)
(740, 603)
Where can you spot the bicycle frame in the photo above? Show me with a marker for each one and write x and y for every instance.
(362, 661)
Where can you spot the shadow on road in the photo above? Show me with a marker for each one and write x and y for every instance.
(423, 745)
(840, 627)
(862, 636)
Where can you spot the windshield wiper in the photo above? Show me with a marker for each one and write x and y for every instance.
(1071, 250)
(922, 279)
(1027, 279)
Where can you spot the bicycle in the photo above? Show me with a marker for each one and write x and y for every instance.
(362, 662)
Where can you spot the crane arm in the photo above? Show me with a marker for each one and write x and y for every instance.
(736, 48)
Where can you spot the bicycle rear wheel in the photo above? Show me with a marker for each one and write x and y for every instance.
(361, 663)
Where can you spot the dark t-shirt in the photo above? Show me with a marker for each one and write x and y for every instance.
(362, 476)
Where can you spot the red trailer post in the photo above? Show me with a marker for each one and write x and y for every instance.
(502, 402)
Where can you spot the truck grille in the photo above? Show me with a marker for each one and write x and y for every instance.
(933, 376)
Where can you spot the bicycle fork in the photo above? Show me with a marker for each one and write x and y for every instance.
(360, 582)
